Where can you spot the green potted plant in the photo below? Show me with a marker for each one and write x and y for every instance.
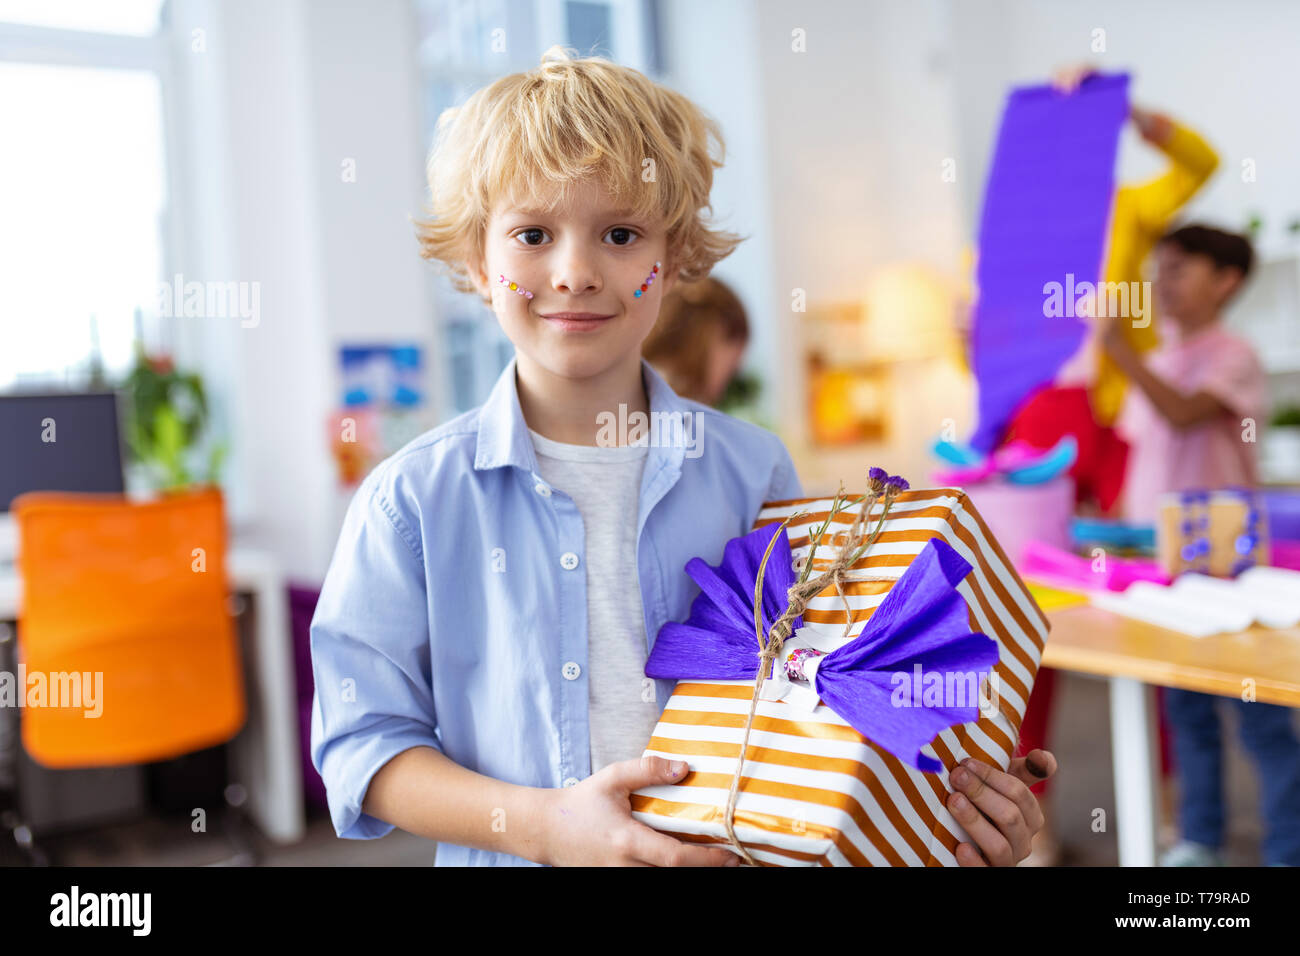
(1281, 451)
(166, 425)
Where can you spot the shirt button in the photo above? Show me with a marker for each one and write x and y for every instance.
(570, 781)
(542, 490)
(571, 671)
(568, 560)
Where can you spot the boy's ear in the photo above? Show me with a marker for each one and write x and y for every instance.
(478, 278)
(1229, 280)
(669, 277)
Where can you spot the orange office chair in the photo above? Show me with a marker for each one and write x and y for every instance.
(136, 593)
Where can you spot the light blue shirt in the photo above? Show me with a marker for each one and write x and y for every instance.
(454, 612)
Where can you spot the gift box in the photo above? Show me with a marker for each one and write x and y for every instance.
(1220, 532)
(813, 790)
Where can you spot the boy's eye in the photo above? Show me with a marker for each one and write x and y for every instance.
(621, 236)
(532, 237)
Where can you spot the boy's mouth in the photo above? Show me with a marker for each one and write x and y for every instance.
(577, 321)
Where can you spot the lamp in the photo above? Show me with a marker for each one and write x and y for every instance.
(908, 314)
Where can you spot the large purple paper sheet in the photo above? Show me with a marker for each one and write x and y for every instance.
(1046, 210)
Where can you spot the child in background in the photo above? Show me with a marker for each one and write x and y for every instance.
(699, 341)
(480, 641)
(1184, 420)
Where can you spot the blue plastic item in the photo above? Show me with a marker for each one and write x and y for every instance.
(1057, 461)
(956, 454)
(1115, 534)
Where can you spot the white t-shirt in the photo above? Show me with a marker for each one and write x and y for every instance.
(605, 485)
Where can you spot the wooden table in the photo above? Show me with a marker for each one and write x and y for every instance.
(1133, 656)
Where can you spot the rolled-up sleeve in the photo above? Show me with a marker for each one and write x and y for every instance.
(370, 658)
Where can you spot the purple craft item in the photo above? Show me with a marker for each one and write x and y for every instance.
(718, 640)
(922, 622)
(1046, 209)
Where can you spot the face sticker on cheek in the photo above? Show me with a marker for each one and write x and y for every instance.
(514, 287)
(649, 281)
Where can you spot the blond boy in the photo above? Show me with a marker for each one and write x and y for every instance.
(480, 642)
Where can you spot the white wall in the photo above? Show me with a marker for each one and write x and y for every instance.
(857, 129)
(283, 93)
(725, 80)
(363, 102)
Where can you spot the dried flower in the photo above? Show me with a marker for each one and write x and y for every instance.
(896, 483)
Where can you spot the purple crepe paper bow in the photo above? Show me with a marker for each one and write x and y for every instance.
(718, 642)
(922, 621)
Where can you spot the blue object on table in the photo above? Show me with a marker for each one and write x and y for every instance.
(1056, 461)
(956, 454)
(1115, 534)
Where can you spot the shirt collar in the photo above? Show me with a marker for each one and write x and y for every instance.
(503, 437)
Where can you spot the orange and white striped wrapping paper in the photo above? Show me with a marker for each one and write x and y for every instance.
(814, 792)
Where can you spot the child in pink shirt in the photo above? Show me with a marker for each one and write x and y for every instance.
(1190, 418)
(1213, 452)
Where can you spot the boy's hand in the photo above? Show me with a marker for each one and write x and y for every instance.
(1155, 128)
(1067, 79)
(590, 823)
(997, 808)
(1105, 330)
(1110, 336)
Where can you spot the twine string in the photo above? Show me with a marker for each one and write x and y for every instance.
(799, 595)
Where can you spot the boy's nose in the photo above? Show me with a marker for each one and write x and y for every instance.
(575, 276)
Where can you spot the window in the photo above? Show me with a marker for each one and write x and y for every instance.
(465, 45)
(126, 17)
(82, 186)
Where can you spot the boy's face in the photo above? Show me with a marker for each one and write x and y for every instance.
(584, 261)
(1190, 289)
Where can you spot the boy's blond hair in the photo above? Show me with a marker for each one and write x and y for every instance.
(532, 134)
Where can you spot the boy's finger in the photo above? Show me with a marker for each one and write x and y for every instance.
(649, 770)
(1041, 762)
(967, 855)
(986, 837)
(1035, 767)
(1005, 801)
(985, 778)
(657, 849)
